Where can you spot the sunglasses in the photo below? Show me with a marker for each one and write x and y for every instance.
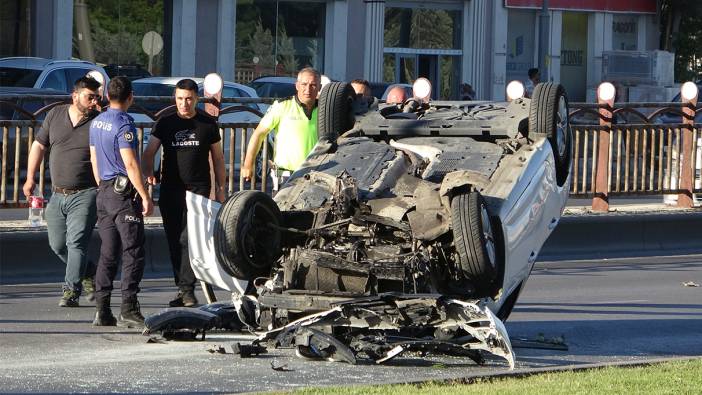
(91, 96)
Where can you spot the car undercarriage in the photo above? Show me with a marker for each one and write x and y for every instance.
(403, 231)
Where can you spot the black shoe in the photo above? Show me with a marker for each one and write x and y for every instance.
(104, 318)
(69, 298)
(130, 317)
(185, 298)
(189, 299)
(89, 288)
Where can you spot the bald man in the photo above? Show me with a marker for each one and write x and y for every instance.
(396, 95)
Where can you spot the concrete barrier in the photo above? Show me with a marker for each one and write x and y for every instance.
(25, 253)
(618, 235)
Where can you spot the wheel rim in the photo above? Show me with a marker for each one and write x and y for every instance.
(562, 127)
(488, 236)
(259, 242)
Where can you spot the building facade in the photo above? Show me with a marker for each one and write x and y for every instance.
(485, 43)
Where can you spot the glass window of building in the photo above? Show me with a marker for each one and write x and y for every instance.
(276, 37)
(624, 32)
(521, 32)
(111, 33)
(424, 42)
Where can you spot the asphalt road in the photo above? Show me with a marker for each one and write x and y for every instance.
(606, 311)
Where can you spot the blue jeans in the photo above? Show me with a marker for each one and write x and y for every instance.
(70, 220)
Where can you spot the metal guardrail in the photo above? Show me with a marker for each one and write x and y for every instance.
(633, 149)
(643, 157)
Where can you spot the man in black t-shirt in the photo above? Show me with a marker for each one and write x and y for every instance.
(188, 138)
(71, 212)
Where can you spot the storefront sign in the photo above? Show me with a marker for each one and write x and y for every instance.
(625, 32)
(572, 57)
(637, 6)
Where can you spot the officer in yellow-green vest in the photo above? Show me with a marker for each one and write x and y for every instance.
(295, 122)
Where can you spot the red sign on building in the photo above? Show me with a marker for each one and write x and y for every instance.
(636, 6)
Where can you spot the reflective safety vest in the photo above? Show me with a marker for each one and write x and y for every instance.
(296, 134)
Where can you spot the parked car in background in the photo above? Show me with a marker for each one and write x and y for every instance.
(22, 107)
(131, 71)
(165, 86)
(274, 86)
(670, 117)
(59, 75)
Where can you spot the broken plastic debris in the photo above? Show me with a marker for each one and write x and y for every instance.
(281, 368)
(216, 348)
(690, 284)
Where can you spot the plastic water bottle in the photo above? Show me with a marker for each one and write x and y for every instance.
(36, 210)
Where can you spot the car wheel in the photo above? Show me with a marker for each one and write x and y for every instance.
(334, 114)
(245, 242)
(548, 115)
(475, 241)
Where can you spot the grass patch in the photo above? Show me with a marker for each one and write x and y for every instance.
(678, 377)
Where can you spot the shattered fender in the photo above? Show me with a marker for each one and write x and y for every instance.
(390, 324)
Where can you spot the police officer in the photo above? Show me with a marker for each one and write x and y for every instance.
(120, 211)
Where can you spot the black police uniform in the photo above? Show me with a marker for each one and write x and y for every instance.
(120, 219)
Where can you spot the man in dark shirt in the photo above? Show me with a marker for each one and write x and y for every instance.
(71, 212)
(113, 153)
(189, 138)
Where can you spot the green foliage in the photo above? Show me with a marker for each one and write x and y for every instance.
(688, 49)
(286, 52)
(680, 33)
(261, 45)
(681, 377)
(117, 28)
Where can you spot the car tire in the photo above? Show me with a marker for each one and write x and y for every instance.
(335, 115)
(475, 241)
(245, 243)
(548, 114)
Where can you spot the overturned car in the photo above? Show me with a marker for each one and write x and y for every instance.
(409, 227)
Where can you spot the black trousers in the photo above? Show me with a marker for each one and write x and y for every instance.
(121, 228)
(175, 222)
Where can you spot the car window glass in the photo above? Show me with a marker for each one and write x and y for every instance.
(273, 89)
(230, 91)
(72, 74)
(11, 76)
(55, 80)
(149, 89)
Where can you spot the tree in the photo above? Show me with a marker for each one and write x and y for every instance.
(262, 47)
(286, 51)
(117, 28)
(680, 33)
